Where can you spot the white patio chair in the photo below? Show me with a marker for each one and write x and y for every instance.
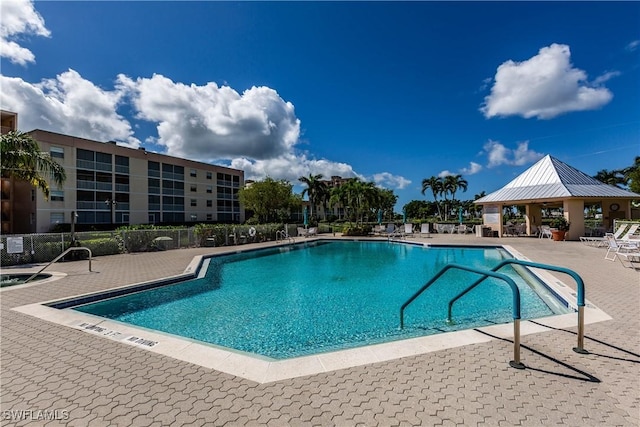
(544, 231)
(620, 250)
(408, 230)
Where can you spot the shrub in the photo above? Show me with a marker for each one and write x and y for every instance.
(356, 230)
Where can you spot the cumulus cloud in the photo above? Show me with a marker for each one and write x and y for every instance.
(67, 104)
(543, 86)
(473, 168)
(388, 180)
(256, 131)
(212, 122)
(19, 19)
(291, 167)
(498, 154)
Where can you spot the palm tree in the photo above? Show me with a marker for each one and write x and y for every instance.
(632, 175)
(614, 177)
(454, 183)
(437, 188)
(316, 189)
(478, 208)
(21, 158)
(450, 185)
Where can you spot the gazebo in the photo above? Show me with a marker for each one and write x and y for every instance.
(551, 183)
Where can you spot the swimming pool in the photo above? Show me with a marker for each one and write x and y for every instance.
(316, 297)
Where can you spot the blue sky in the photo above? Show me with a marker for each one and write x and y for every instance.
(389, 92)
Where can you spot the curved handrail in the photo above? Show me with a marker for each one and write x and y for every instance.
(80, 248)
(284, 235)
(515, 363)
(573, 274)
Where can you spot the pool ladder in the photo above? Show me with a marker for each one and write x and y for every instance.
(515, 363)
(284, 235)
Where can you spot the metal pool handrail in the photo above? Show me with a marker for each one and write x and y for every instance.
(579, 286)
(81, 248)
(516, 303)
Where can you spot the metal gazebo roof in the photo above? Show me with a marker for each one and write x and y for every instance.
(551, 178)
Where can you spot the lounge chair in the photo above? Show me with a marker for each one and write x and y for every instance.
(620, 249)
(630, 235)
(389, 230)
(408, 230)
(303, 232)
(602, 241)
(424, 229)
(393, 231)
(544, 231)
(312, 231)
(462, 229)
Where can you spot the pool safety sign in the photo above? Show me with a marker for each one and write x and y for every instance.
(15, 245)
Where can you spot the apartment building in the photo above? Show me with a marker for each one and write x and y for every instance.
(17, 198)
(110, 185)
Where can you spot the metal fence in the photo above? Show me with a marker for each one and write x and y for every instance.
(21, 249)
(35, 248)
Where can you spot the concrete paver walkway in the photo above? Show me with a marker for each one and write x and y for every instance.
(51, 371)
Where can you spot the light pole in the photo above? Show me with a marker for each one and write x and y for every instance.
(74, 216)
(112, 204)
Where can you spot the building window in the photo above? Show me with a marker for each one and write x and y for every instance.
(194, 202)
(193, 173)
(209, 175)
(209, 189)
(56, 152)
(57, 218)
(153, 169)
(56, 196)
(209, 203)
(194, 188)
(209, 217)
(193, 217)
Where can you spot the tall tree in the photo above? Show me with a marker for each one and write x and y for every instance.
(610, 177)
(21, 158)
(453, 183)
(316, 189)
(271, 200)
(437, 188)
(632, 175)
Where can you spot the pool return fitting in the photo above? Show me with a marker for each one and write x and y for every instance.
(515, 363)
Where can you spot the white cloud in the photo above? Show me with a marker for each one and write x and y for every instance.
(543, 86)
(67, 104)
(19, 18)
(210, 122)
(291, 167)
(473, 168)
(388, 180)
(633, 45)
(255, 131)
(498, 154)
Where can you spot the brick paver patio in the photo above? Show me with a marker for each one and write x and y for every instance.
(49, 370)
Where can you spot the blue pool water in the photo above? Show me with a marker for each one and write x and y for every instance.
(322, 296)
